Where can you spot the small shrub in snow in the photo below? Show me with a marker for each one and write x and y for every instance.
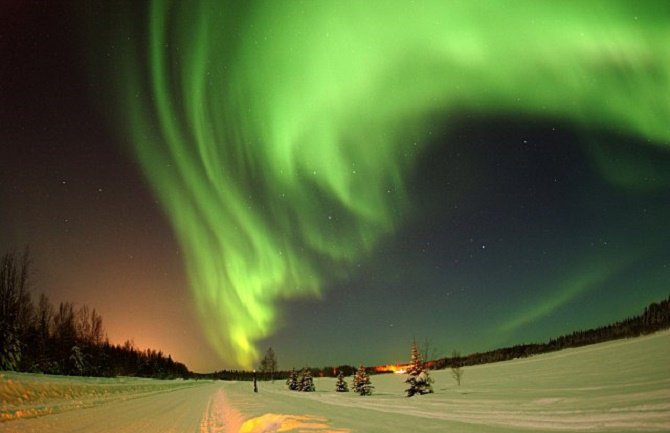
(418, 378)
(306, 382)
(362, 384)
(292, 381)
(341, 384)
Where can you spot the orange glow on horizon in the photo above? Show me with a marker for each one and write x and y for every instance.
(391, 368)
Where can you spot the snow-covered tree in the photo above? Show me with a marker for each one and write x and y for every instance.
(292, 381)
(417, 376)
(341, 384)
(10, 349)
(362, 384)
(306, 382)
(77, 361)
(15, 308)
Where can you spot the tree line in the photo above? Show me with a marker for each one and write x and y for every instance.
(655, 317)
(64, 339)
(246, 375)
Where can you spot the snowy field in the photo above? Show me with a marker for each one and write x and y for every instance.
(619, 386)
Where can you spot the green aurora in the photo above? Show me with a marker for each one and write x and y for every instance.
(279, 136)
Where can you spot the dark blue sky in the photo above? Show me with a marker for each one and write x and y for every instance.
(537, 245)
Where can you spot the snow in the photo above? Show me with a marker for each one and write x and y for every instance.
(619, 386)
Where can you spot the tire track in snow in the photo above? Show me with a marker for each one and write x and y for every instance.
(220, 416)
(223, 417)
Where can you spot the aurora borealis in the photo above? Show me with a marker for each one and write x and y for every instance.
(483, 173)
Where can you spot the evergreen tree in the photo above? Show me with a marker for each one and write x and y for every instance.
(341, 384)
(15, 308)
(306, 381)
(292, 381)
(417, 376)
(78, 365)
(362, 384)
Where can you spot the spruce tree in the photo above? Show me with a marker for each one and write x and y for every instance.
(306, 381)
(341, 385)
(77, 361)
(362, 384)
(417, 376)
(292, 381)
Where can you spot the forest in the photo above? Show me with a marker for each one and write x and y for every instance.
(41, 337)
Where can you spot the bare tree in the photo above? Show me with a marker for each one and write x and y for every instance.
(269, 364)
(428, 351)
(43, 318)
(88, 326)
(64, 333)
(82, 324)
(97, 331)
(457, 366)
(44, 315)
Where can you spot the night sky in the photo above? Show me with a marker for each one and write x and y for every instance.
(334, 179)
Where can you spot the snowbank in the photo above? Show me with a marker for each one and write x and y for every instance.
(619, 386)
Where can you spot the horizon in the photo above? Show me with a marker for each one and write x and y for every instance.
(430, 361)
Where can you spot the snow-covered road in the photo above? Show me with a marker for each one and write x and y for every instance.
(203, 407)
(178, 410)
(620, 386)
